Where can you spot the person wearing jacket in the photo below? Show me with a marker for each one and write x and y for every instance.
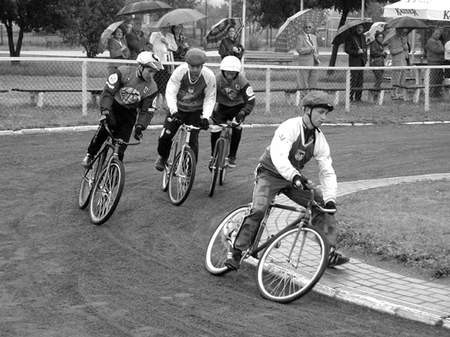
(235, 101)
(435, 56)
(308, 56)
(230, 46)
(127, 90)
(295, 143)
(377, 58)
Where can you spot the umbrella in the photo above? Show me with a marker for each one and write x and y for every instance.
(179, 16)
(144, 7)
(436, 10)
(107, 33)
(406, 22)
(344, 30)
(374, 29)
(220, 29)
(287, 34)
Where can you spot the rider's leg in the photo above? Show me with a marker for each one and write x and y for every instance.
(170, 127)
(214, 137)
(97, 140)
(125, 122)
(235, 140)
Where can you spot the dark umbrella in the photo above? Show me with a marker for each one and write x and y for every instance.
(406, 22)
(344, 30)
(144, 7)
(220, 29)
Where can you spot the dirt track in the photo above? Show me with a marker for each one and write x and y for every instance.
(141, 274)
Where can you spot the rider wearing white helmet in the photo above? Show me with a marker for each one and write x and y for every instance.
(235, 100)
(128, 89)
(190, 95)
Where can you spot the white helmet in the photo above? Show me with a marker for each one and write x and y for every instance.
(150, 60)
(231, 63)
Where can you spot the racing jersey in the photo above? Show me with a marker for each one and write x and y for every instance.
(184, 95)
(130, 91)
(288, 153)
(235, 92)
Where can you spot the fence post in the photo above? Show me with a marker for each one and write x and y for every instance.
(268, 90)
(84, 93)
(347, 90)
(426, 82)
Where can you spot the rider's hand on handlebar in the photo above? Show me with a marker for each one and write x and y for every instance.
(108, 118)
(300, 181)
(240, 117)
(138, 131)
(330, 205)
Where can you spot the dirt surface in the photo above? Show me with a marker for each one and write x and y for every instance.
(141, 273)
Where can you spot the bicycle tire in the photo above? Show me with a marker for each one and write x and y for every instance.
(221, 239)
(178, 189)
(215, 167)
(165, 178)
(278, 278)
(222, 174)
(87, 184)
(107, 191)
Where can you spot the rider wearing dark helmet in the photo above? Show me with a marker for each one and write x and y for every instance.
(295, 142)
(127, 90)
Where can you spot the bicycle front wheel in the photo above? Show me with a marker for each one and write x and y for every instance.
(292, 264)
(221, 240)
(87, 183)
(107, 191)
(181, 177)
(165, 178)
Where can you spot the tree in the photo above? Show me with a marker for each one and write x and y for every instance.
(87, 19)
(28, 15)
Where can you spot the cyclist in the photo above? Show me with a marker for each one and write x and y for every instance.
(190, 95)
(128, 89)
(235, 100)
(294, 143)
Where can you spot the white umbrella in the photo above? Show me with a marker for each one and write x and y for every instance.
(420, 9)
(107, 33)
(179, 16)
(294, 19)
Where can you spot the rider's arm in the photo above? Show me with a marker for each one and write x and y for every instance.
(210, 92)
(173, 86)
(147, 110)
(281, 145)
(111, 87)
(249, 99)
(327, 175)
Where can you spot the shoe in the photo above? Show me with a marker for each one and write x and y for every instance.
(231, 162)
(87, 161)
(233, 261)
(160, 164)
(336, 259)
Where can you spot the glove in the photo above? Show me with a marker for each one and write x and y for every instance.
(300, 181)
(204, 123)
(240, 117)
(138, 131)
(330, 205)
(108, 118)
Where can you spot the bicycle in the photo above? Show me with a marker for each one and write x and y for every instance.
(102, 183)
(179, 172)
(291, 261)
(219, 162)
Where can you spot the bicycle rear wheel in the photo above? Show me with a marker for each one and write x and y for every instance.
(292, 264)
(181, 177)
(165, 178)
(107, 191)
(220, 241)
(87, 184)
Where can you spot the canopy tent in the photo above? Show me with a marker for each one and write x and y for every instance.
(437, 10)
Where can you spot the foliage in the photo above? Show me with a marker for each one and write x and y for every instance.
(28, 15)
(87, 19)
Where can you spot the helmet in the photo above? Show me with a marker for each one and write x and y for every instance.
(230, 63)
(195, 57)
(149, 60)
(318, 99)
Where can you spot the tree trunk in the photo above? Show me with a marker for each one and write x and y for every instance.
(336, 46)
(14, 49)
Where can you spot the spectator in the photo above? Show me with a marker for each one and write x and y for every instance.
(117, 46)
(377, 58)
(447, 58)
(135, 39)
(399, 50)
(183, 46)
(435, 56)
(356, 48)
(230, 45)
(308, 55)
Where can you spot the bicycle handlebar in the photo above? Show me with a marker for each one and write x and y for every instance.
(119, 140)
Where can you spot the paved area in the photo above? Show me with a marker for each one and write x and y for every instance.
(382, 290)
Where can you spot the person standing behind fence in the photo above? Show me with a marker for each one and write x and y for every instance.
(435, 56)
(399, 50)
(308, 56)
(135, 39)
(356, 48)
(230, 46)
(183, 46)
(118, 49)
(377, 58)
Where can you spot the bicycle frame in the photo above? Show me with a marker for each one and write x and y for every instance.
(182, 137)
(225, 136)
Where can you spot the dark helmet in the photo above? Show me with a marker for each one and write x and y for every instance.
(195, 57)
(318, 99)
